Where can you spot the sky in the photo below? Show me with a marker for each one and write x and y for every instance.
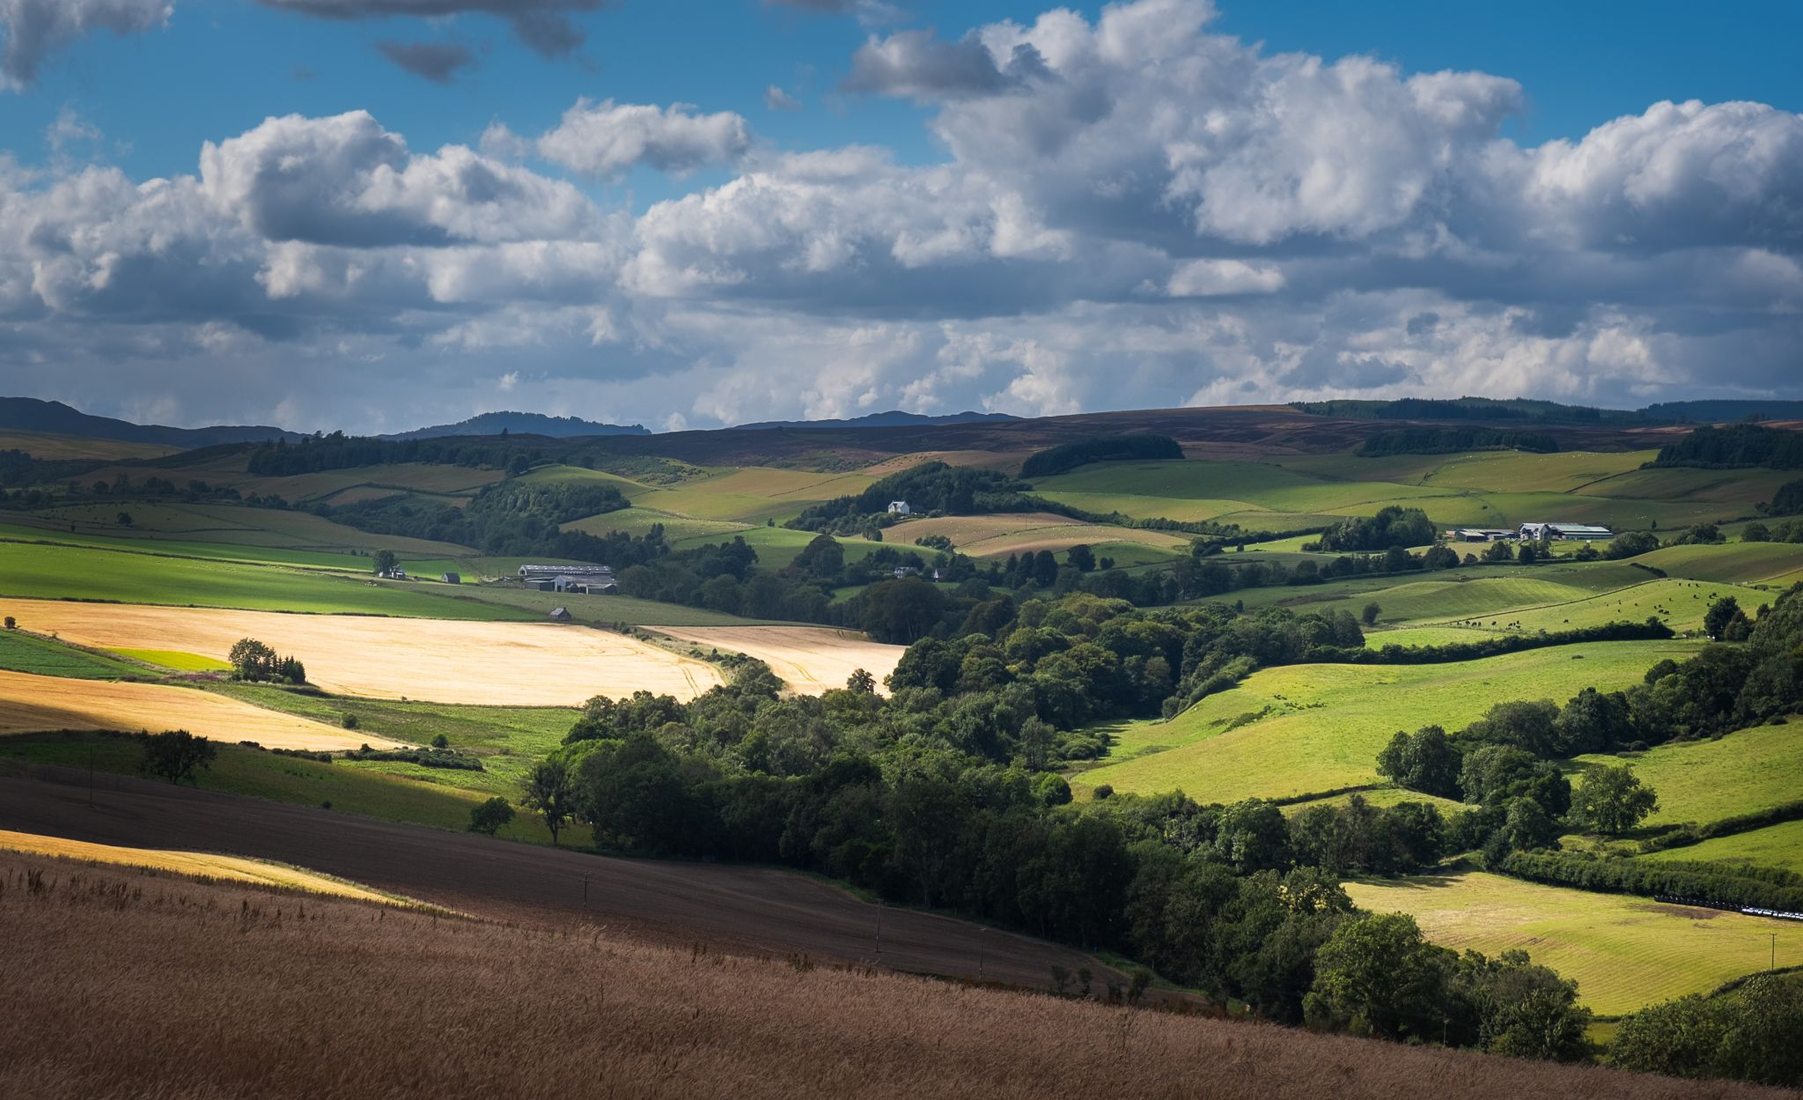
(378, 214)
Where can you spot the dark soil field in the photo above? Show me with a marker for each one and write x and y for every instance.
(128, 984)
(737, 909)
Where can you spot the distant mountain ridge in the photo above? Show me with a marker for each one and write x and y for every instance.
(891, 419)
(522, 423)
(28, 414)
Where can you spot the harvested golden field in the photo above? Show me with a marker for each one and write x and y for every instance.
(195, 864)
(1027, 532)
(986, 460)
(29, 704)
(116, 983)
(436, 660)
(810, 659)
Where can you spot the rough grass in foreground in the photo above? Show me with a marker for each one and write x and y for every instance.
(1624, 952)
(206, 865)
(351, 1002)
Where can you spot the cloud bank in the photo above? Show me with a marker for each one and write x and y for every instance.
(1131, 212)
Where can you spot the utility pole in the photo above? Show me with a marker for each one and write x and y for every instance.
(879, 931)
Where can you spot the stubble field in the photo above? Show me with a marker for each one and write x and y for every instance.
(810, 659)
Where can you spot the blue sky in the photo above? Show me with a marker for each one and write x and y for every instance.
(223, 65)
(930, 223)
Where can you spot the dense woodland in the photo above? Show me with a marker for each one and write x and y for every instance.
(1735, 446)
(1441, 441)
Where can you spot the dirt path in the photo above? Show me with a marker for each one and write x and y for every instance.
(31, 704)
(810, 659)
(435, 660)
(742, 909)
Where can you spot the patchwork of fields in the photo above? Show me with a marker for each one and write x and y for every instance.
(165, 597)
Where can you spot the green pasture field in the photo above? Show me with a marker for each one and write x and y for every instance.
(25, 528)
(1731, 563)
(1515, 471)
(1680, 604)
(1733, 492)
(21, 651)
(71, 572)
(752, 494)
(51, 445)
(175, 660)
(1703, 781)
(557, 474)
(348, 787)
(527, 603)
(508, 739)
(1301, 729)
(1382, 796)
(1773, 846)
(1415, 636)
(639, 521)
(228, 524)
(1624, 952)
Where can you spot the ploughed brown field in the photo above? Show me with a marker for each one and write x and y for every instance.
(435, 660)
(810, 659)
(29, 704)
(124, 984)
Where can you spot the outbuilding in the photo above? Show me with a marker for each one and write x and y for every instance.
(561, 615)
(451, 578)
(900, 508)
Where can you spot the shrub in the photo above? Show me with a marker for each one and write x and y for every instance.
(490, 816)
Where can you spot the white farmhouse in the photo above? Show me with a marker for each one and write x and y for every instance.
(900, 508)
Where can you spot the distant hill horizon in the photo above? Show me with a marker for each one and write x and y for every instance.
(522, 423)
(29, 414)
(891, 419)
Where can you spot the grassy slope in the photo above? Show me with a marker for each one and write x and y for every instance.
(56, 572)
(1772, 846)
(1624, 952)
(1312, 728)
(1704, 781)
(239, 770)
(21, 652)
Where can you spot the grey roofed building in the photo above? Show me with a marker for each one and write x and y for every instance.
(529, 572)
(561, 614)
(1587, 532)
(451, 578)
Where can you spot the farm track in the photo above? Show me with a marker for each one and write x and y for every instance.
(746, 910)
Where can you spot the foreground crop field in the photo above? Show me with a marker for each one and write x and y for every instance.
(313, 997)
(29, 704)
(520, 664)
(1624, 952)
(197, 864)
(810, 659)
(1306, 729)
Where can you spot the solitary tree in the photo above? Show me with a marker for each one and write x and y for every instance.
(1613, 800)
(1370, 614)
(550, 792)
(175, 754)
(490, 816)
(861, 681)
(1725, 621)
(385, 561)
(12, 623)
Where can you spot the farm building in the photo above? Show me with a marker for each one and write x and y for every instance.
(1553, 531)
(900, 508)
(589, 580)
(1480, 534)
(451, 578)
(561, 615)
